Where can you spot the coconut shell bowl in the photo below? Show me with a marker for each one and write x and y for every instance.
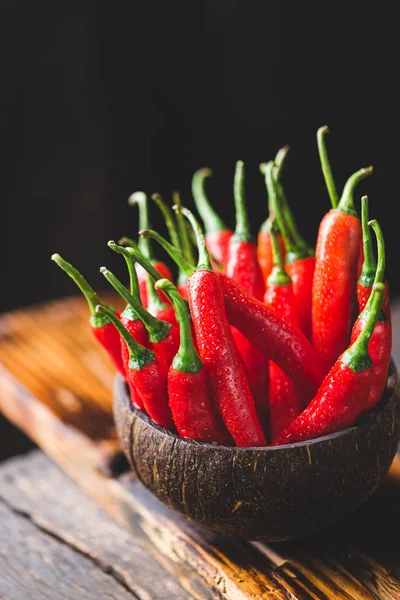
(274, 493)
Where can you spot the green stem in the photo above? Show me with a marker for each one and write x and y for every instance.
(176, 256)
(204, 262)
(368, 270)
(133, 279)
(212, 221)
(140, 199)
(169, 220)
(127, 241)
(186, 244)
(278, 276)
(187, 359)
(346, 202)
(140, 356)
(280, 159)
(155, 303)
(90, 295)
(157, 329)
(242, 229)
(326, 167)
(357, 357)
(380, 241)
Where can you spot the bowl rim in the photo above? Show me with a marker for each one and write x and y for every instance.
(121, 387)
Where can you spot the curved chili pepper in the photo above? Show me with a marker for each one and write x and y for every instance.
(195, 416)
(101, 328)
(277, 338)
(380, 344)
(217, 234)
(217, 349)
(163, 338)
(335, 275)
(130, 319)
(300, 258)
(367, 275)
(145, 283)
(144, 374)
(156, 306)
(284, 402)
(242, 265)
(343, 394)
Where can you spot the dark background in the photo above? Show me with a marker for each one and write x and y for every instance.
(101, 99)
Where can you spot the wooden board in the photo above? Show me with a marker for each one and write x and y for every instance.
(55, 384)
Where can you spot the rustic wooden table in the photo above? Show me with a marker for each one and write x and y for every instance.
(75, 523)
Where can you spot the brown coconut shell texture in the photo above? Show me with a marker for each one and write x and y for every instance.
(271, 494)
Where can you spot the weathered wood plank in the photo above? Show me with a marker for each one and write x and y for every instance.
(358, 560)
(35, 566)
(34, 486)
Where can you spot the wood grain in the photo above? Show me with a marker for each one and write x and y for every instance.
(32, 486)
(357, 560)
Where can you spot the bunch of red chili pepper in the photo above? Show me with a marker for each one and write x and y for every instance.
(250, 340)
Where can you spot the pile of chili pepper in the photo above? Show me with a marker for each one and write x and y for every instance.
(232, 337)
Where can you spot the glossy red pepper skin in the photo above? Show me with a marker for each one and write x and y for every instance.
(301, 272)
(193, 411)
(139, 333)
(284, 402)
(379, 349)
(335, 280)
(217, 243)
(109, 338)
(242, 266)
(329, 412)
(363, 294)
(335, 277)
(220, 356)
(278, 339)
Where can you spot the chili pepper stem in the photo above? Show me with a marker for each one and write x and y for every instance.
(242, 229)
(127, 241)
(346, 202)
(90, 295)
(212, 221)
(186, 359)
(368, 269)
(140, 356)
(204, 261)
(186, 245)
(133, 279)
(357, 357)
(156, 328)
(174, 253)
(326, 167)
(381, 264)
(140, 199)
(169, 221)
(279, 275)
(280, 159)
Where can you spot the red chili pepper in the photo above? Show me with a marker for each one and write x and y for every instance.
(140, 199)
(156, 306)
(277, 338)
(284, 401)
(264, 247)
(367, 275)
(195, 416)
(186, 244)
(130, 319)
(343, 394)
(218, 351)
(335, 275)
(300, 258)
(242, 265)
(380, 344)
(144, 374)
(101, 328)
(217, 234)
